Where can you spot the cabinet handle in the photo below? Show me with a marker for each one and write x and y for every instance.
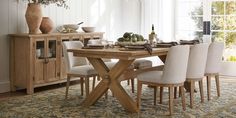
(46, 60)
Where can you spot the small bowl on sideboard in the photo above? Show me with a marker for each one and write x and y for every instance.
(88, 29)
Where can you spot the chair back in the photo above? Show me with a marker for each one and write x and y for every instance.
(214, 57)
(70, 60)
(197, 61)
(175, 67)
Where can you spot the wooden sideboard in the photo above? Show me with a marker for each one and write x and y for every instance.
(37, 59)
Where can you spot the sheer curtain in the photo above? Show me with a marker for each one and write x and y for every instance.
(161, 14)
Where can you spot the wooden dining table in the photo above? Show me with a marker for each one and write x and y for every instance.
(110, 77)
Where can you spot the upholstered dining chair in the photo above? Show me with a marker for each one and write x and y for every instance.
(77, 66)
(196, 68)
(213, 65)
(173, 75)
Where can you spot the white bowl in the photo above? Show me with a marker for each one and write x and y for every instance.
(88, 29)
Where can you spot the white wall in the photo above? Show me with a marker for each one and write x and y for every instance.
(105, 15)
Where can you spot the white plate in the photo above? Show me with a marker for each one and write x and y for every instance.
(95, 45)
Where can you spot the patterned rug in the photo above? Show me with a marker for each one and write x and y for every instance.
(51, 104)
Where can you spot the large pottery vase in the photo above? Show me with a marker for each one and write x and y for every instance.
(33, 17)
(46, 25)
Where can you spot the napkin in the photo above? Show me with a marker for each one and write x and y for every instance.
(148, 47)
(189, 42)
(166, 44)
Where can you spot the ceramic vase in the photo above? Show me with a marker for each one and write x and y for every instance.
(46, 25)
(33, 17)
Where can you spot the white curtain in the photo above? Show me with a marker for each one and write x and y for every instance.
(131, 16)
(161, 14)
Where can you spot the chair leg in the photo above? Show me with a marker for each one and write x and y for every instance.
(161, 94)
(128, 82)
(132, 85)
(67, 86)
(94, 79)
(139, 92)
(82, 85)
(175, 92)
(87, 86)
(171, 97)
(106, 94)
(98, 78)
(217, 85)
(191, 93)
(155, 95)
(209, 87)
(182, 92)
(201, 91)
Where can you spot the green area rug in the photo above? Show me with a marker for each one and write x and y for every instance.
(51, 104)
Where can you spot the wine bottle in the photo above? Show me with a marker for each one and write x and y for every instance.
(153, 31)
(152, 36)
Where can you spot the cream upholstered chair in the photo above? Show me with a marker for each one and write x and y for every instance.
(77, 66)
(196, 68)
(173, 75)
(213, 65)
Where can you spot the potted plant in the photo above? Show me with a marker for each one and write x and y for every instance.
(34, 14)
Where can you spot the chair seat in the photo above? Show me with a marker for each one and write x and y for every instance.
(142, 63)
(88, 69)
(83, 70)
(151, 76)
(137, 64)
(112, 64)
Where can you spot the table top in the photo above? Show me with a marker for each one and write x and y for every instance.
(117, 53)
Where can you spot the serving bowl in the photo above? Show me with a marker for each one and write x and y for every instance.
(88, 29)
(71, 26)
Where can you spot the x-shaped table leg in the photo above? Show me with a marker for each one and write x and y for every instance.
(110, 81)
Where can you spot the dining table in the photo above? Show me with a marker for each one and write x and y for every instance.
(110, 76)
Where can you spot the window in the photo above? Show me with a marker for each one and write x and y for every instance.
(189, 19)
(223, 16)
